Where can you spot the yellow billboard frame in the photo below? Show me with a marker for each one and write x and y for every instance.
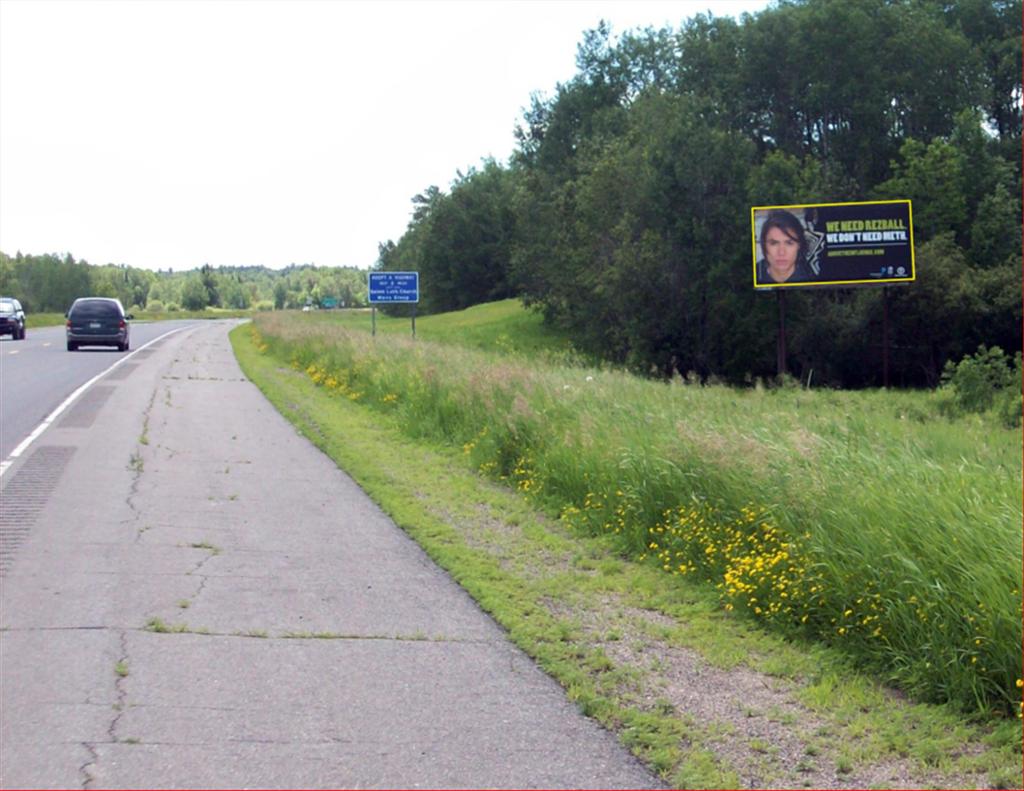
(815, 283)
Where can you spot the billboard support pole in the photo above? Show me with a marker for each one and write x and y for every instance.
(373, 321)
(885, 337)
(781, 346)
(414, 320)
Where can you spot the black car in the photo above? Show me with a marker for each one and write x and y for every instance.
(12, 318)
(97, 321)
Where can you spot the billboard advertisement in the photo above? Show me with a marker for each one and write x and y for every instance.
(832, 244)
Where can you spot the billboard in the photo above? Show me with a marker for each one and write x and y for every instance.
(394, 287)
(832, 244)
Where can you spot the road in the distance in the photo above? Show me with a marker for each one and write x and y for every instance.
(38, 373)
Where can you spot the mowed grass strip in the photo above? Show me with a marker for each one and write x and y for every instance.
(599, 622)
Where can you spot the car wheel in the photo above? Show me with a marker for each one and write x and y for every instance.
(22, 336)
(72, 346)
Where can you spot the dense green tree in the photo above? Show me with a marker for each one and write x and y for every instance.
(209, 281)
(47, 282)
(233, 294)
(993, 27)
(632, 267)
(933, 177)
(194, 295)
(996, 231)
(165, 290)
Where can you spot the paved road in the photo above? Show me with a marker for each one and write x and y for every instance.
(38, 373)
(172, 494)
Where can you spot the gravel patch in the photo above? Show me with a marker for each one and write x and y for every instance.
(753, 721)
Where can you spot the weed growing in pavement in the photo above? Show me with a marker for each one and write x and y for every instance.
(211, 548)
(160, 627)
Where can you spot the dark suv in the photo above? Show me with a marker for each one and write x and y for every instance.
(12, 318)
(97, 321)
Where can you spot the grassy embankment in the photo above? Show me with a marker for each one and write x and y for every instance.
(861, 521)
(502, 327)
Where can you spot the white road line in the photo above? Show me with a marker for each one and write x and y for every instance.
(67, 402)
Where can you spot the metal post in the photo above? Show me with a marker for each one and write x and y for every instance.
(781, 347)
(885, 338)
(373, 321)
(413, 319)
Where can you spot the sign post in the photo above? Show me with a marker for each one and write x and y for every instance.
(885, 338)
(780, 345)
(392, 287)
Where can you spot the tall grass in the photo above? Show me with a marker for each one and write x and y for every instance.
(853, 518)
(502, 325)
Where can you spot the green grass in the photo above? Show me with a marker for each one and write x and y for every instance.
(824, 514)
(563, 595)
(208, 313)
(496, 326)
(34, 320)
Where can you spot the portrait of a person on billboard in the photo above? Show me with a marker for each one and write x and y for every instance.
(833, 244)
(783, 248)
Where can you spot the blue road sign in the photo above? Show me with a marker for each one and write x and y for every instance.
(394, 287)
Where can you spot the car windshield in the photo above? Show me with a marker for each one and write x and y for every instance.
(95, 310)
(7, 307)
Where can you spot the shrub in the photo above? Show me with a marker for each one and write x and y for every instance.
(977, 382)
(1010, 405)
(155, 306)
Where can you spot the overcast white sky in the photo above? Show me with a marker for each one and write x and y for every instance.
(255, 132)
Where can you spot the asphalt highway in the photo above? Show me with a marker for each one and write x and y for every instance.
(193, 596)
(38, 373)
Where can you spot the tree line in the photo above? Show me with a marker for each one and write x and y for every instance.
(51, 282)
(624, 213)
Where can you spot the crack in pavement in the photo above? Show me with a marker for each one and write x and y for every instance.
(258, 634)
(213, 553)
(133, 490)
(94, 757)
(121, 669)
(255, 634)
(203, 579)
